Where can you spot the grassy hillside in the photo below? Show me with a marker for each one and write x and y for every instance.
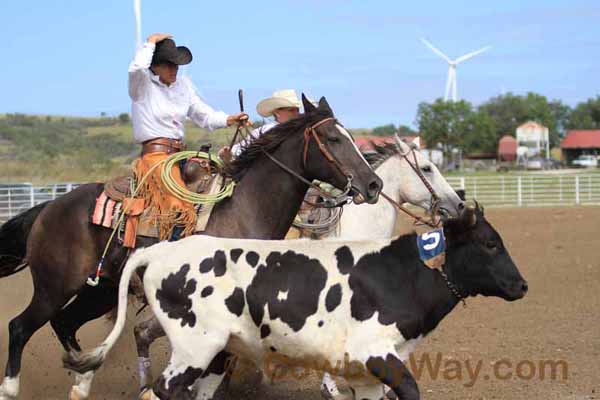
(42, 149)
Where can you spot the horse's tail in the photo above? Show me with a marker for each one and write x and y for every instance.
(82, 362)
(13, 240)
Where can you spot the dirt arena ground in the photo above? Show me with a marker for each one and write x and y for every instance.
(556, 326)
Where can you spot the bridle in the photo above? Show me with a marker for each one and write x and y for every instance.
(310, 133)
(435, 199)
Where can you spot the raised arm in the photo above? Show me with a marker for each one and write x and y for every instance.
(138, 69)
(205, 116)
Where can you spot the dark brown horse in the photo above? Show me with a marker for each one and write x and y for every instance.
(63, 248)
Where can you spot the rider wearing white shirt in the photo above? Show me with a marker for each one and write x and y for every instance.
(160, 105)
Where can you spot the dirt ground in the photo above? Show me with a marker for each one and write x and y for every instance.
(515, 344)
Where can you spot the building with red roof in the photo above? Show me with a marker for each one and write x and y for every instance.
(578, 142)
(507, 148)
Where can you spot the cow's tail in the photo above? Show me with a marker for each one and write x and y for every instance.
(82, 362)
(13, 240)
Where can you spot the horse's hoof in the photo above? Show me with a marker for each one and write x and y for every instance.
(390, 395)
(75, 395)
(145, 394)
(338, 396)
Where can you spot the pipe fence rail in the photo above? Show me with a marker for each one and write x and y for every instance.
(492, 191)
(531, 190)
(19, 197)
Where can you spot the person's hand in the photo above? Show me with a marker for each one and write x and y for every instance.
(225, 153)
(157, 37)
(239, 118)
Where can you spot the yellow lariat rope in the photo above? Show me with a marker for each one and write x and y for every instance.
(183, 193)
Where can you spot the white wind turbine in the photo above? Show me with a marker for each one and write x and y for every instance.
(451, 82)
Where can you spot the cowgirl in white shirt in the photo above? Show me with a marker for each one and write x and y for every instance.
(160, 105)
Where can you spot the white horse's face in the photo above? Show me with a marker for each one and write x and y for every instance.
(412, 189)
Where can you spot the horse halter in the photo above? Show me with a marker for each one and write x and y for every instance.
(435, 199)
(330, 200)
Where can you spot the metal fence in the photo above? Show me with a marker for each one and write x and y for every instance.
(531, 190)
(498, 190)
(16, 198)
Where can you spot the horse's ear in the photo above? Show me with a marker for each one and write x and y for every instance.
(308, 106)
(324, 105)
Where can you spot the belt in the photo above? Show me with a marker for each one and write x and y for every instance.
(162, 145)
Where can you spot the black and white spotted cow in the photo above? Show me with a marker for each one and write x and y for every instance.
(326, 303)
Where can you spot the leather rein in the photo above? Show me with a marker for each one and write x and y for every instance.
(309, 134)
(435, 199)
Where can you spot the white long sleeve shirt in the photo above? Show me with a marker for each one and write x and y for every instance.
(255, 134)
(158, 110)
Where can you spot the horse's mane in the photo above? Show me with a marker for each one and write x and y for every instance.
(269, 141)
(380, 153)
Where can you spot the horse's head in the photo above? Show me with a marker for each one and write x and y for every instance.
(412, 188)
(330, 155)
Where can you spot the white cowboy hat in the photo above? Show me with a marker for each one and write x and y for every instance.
(280, 99)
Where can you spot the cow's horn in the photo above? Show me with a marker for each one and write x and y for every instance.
(470, 217)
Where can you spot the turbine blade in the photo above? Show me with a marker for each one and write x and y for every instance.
(435, 50)
(471, 55)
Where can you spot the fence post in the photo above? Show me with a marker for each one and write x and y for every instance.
(10, 214)
(519, 192)
(475, 187)
(561, 189)
(31, 197)
(589, 187)
(503, 191)
(577, 189)
(462, 182)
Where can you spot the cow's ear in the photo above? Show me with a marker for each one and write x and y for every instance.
(308, 106)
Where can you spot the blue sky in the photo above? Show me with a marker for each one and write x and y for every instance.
(71, 57)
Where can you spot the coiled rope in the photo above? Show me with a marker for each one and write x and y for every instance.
(180, 192)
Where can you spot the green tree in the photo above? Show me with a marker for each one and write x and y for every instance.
(479, 134)
(586, 115)
(445, 122)
(509, 111)
(384, 130)
(124, 118)
(404, 130)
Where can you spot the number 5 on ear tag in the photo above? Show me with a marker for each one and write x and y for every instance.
(432, 248)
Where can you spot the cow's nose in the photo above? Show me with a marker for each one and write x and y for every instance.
(461, 206)
(524, 287)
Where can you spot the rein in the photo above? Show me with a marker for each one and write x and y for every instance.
(435, 199)
(310, 132)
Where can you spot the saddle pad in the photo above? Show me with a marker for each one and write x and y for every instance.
(106, 211)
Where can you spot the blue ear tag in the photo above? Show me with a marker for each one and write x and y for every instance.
(432, 248)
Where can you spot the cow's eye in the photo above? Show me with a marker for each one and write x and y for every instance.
(333, 139)
(426, 168)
